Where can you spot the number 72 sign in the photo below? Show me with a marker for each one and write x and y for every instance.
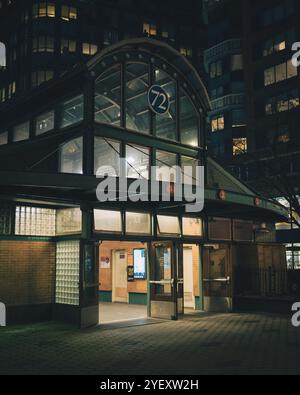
(158, 99)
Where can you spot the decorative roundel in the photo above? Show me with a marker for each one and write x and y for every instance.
(158, 99)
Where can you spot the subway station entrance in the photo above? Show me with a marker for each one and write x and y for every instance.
(137, 280)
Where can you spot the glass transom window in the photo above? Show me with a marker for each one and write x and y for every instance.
(108, 221)
(168, 225)
(138, 223)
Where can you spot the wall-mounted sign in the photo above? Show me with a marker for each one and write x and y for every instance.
(158, 99)
(140, 264)
(105, 262)
(130, 274)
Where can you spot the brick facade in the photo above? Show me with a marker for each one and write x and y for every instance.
(27, 272)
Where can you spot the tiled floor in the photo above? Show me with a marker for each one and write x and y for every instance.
(117, 312)
(205, 344)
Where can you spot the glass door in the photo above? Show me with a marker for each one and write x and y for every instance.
(163, 281)
(218, 279)
(89, 280)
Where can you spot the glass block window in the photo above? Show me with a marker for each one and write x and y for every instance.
(5, 220)
(34, 221)
(68, 221)
(67, 272)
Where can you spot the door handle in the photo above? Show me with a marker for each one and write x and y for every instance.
(162, 282)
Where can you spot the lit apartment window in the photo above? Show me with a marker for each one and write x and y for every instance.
(89, 49)
(68, 13)
(150, 29)
(42, 10)
(240, 146)
(43, 44)
(280, 72)
(218, 123)
(68, 46)
(284, 102)
(187, 52)
(11, 89)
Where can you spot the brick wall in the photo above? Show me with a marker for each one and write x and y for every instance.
(27, 272)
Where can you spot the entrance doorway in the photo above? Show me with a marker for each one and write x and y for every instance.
(188, 278)
(123, 291)
(218, 278)
(175, 281)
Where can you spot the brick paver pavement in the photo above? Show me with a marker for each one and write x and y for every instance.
(210, 344)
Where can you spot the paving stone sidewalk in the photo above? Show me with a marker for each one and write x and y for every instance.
(209, 344)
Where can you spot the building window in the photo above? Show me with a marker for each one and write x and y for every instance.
(189, 168)
(189, 121)
(243, 230)
(43, 44)
(12, 87)
(107, 156)
(44, 9)
(2, 56)
(150, 29)
(168, 225)
(240, 146)
(280, 73)
(68, 46)
(137, 162)
(71, 154)
(237, 62)
(68, 13)
(33, 221)
(166, 123)
(71, 111)
(89, 49)
(21, 132)
(216, 69)
(218, 123)
(186, 51)
(110, 37)
(67, 273)
(138, 224)
(284, 102)
(137, 108)
(4, 138)
(165, 166)
(108, 97)
(68, 221)
(39, 77)
(192, 227)
(108, 221)
(44, 123)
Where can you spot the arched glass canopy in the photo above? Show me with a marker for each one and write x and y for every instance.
(131, 84)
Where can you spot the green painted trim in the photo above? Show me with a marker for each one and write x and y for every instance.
(105, 296)
(198, 303)
(138, 299)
